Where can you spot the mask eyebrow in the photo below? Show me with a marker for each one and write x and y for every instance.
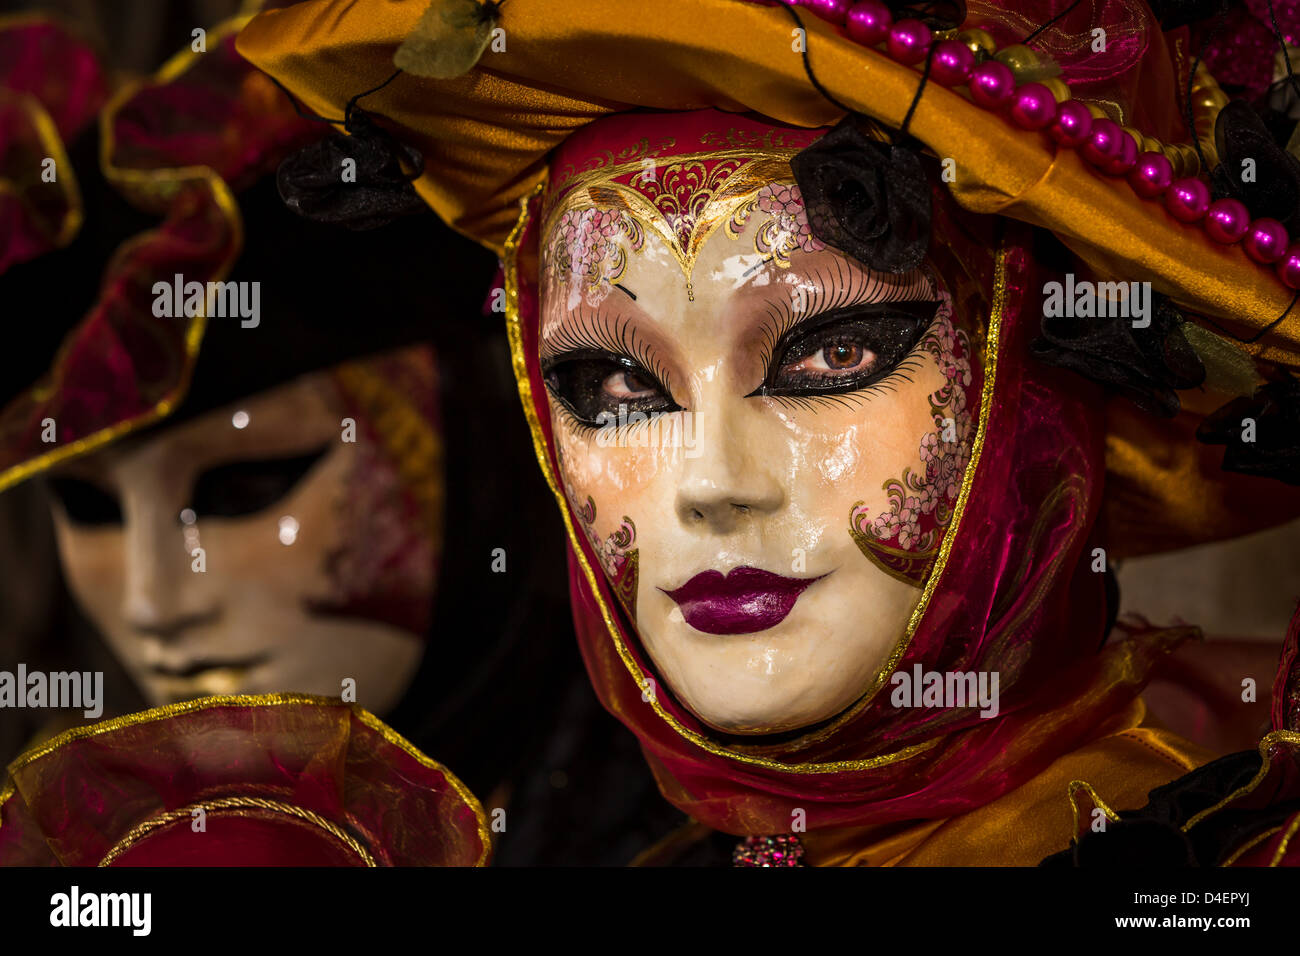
(585, 329)
(831, 286)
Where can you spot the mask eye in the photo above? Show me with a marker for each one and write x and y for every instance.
(629, 386)
(86, 504)
(846, 349)
(247, 487)
(845, 357)
(594, 387)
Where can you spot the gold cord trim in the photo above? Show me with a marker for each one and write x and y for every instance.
(519, 361)
(235, 806)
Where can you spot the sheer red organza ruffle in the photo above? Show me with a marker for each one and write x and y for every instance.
(279, 779)
(176, 145)
(51, 87)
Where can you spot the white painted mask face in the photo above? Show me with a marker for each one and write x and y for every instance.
(763, 441)
(229, 554)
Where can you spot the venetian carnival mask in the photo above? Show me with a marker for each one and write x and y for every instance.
(762, 438)
(269, 545)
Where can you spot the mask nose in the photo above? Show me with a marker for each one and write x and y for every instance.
(162, 596)
(729, 483)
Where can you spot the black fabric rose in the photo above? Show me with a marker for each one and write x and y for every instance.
(868, 199)
(936, 14)
(1147, 365)
(1274, 187)
(1153, 836)
(1176, 13)
(312, 181)
(1269, 449)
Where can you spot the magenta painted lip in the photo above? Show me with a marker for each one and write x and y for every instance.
(742, 602)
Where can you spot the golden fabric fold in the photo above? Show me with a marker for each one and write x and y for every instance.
(486, 135)
(1167, 491)
(1033, 821)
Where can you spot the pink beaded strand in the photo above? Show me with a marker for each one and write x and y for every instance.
(909, 41)
(1188, 200)
(1033, 107)
(992, 85)
(869, 22)
(1266, 241)
(1227, 221)
(1288, 269)
(1073, 124)
(1101, 141)
(1152, 175)
(952, 63)
(833, 10)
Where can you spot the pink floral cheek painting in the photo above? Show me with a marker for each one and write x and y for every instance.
(901, 535)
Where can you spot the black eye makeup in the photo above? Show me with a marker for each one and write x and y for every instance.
(247, 487)
(226, 491)
(86, 504)
(598, 387)
(598, 370)
(845, 349)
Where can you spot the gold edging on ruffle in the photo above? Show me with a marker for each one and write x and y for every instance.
(105, 436)
(1285, 841)
(225, 201)
(1249, 845)
(235, 806)
(471, 801)
(519, 361)
(254, 700)
(48, 134)
(1071, 791)
(174, 67)
(1265, 743)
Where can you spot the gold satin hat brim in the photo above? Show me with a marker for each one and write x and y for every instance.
(486, 136)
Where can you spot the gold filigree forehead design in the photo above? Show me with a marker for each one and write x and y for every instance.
(682, 201)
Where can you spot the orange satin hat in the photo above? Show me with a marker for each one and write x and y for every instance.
(486, 135)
